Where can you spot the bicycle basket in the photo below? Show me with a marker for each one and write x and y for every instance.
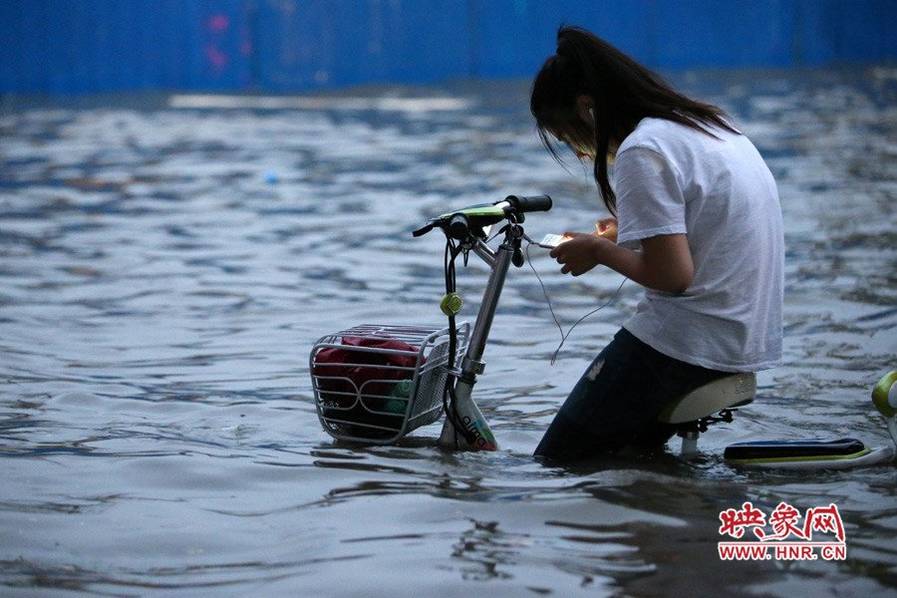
(375, 383)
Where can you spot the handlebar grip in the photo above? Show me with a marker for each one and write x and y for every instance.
(534, 203)
(423, 230)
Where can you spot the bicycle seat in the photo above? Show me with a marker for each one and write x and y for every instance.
(723, 393)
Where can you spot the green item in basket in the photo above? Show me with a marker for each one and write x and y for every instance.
(401, 390)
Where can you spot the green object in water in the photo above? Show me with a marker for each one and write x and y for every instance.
(884, 395)
(402, 390)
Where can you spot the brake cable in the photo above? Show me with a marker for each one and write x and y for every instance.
(449, 400)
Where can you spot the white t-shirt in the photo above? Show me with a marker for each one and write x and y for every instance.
(668, 179)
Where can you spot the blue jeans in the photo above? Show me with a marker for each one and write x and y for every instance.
(617, 401)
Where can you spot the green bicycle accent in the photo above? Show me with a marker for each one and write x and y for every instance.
(482, 210)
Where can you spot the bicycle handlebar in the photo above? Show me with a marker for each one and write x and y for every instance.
(457, 224)
(535, 203)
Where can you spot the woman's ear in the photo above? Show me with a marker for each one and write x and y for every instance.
(585, 108)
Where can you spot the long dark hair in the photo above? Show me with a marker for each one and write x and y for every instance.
(623, 92)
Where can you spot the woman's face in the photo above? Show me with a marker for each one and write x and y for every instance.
(587, 152)
(586, 113)
(582, 150)
(583, 153)
(582, 143)
(574, 127)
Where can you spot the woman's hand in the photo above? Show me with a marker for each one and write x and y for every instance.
(607, 228)
(581, 253)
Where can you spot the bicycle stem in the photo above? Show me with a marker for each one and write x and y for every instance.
(472, 365)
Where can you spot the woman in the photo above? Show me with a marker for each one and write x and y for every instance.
(698, 225)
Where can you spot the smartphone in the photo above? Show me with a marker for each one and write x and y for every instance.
(552, 241)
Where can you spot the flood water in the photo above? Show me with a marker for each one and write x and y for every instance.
(166, 269)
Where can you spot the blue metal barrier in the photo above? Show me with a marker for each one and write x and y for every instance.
(78, 46)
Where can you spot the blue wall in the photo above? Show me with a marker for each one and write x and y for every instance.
(76, 46)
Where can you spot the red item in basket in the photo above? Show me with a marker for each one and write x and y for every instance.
(330, 362)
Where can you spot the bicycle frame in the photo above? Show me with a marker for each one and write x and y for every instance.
(472, 364)
(467, 226)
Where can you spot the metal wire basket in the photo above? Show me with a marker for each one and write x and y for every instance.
(365, 392)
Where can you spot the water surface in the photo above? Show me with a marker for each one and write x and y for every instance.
(166, 269)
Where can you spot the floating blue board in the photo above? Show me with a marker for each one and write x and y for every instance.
(806, 454)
